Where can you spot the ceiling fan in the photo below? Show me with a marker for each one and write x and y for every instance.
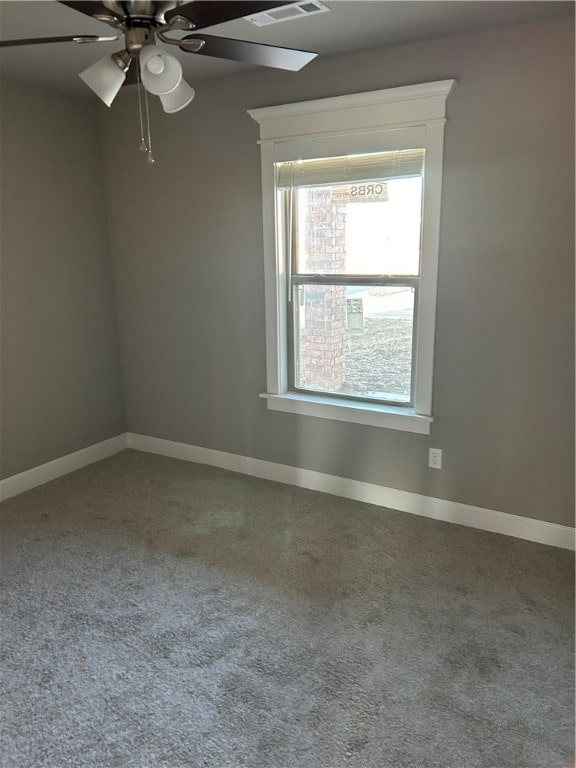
(143, 23)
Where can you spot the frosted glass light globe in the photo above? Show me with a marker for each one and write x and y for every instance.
(160, 72)
(156, 65)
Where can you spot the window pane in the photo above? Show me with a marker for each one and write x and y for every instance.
(355, 340)
(360, 229)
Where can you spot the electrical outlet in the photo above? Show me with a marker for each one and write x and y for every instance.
(435, 458)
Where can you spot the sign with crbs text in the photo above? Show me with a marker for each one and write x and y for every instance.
(367, 192)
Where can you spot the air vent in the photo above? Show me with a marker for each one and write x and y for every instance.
(287, 13)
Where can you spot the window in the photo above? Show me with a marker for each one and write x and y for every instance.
(351, 230)
(351, 201)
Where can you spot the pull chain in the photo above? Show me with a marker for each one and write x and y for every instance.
(150, 155)
(143, 147)
(145, 142)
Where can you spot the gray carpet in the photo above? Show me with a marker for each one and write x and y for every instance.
(160, 613)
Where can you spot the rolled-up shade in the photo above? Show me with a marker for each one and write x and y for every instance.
(350, 168)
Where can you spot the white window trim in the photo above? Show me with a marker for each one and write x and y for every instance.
(362, 122)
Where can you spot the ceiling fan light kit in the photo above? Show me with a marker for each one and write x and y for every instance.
(142, 23)
(177, 99)
(107, 76)
(160, 72)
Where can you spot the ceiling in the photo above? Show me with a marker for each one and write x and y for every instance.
(351, 25)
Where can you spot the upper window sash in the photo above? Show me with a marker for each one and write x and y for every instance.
(400, 258)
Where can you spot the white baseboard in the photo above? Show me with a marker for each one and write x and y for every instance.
(24, 481)
(403, 501)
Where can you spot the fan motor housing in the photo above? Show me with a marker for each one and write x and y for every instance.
(140, 13)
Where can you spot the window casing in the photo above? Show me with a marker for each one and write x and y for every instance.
(323, 148)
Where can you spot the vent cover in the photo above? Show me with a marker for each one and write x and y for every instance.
(287, 13)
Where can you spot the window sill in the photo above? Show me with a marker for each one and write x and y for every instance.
(371, 414)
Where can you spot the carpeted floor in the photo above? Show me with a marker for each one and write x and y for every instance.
(165, 614)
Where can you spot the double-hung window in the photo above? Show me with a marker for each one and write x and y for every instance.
(351, 201)
(351, 227)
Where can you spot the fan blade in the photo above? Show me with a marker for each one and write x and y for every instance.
(66, 39)
(252, 53)
(207, 14)
(89, 8)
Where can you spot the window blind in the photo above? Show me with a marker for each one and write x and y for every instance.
(350, 169)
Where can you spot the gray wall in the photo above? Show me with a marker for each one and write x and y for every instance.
(60, 387)
(186, 238)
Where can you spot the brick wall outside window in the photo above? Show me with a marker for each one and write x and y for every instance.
(323, 340)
